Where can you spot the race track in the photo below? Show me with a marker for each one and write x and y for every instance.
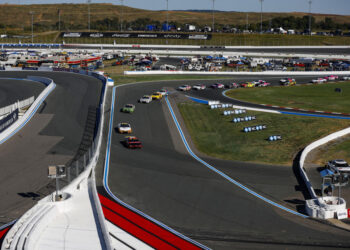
(165, 182)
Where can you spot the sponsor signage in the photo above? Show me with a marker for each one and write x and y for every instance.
(136, 35)
(348, 212)
(342, 214)
(8, 120)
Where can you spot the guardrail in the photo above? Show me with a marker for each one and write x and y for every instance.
(16, 126)
(17, 105)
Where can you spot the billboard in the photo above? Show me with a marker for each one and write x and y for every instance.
(135, 35)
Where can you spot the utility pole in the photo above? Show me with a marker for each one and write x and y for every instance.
(213, 28)
(261, 14)
(32, 13)
(310, 3)
(89, 2)
(121, 15)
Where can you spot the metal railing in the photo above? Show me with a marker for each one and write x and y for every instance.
(77, 166)
(17, 105)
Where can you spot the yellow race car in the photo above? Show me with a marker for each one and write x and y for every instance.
(157, 96)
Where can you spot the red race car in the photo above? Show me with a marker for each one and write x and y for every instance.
(132, 142)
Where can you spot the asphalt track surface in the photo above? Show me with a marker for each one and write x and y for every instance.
(52, 136)
(165, 182)
(12, 90)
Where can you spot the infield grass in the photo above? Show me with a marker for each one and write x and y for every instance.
(312, 97)
(215, 135)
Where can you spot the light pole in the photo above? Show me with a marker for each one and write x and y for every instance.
(213, 26)
(261, 14)
(89, 2)
(121, 15)
(32, 13)
(310, 3)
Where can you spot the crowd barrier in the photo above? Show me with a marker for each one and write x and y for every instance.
(17, 105)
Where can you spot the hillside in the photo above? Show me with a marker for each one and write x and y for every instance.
(76, 14)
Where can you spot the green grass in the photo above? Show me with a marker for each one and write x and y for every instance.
(216, 136)
(121, 79)
(316, 97)
(339, 149)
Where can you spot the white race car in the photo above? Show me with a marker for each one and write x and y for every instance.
(346, 78)
(319, 80)
(124, 128)
(145, 99)
(199, 87)
(338, 166)
(185, 87)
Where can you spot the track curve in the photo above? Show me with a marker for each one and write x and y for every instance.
(166, 183)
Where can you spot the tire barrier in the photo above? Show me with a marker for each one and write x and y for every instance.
(275, 138)
(254, 128)
(235, 112)
(244, 119)
(219, 106)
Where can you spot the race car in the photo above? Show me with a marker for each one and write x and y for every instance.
(124, 128)
(319, 80)
(163, 92)
(199, 87)
(184, 88)
(132, 142)
(248, 85)
(338, 166)
(128, 108)
(157, 96)
(217, 86)
(262, 83)
(331, 78)
(288, 81)
(232, 85)
(145, 99)
(346, 78)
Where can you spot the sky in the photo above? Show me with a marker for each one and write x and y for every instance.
(318, 6)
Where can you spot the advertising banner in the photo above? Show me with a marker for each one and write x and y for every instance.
(8, 120)
(135, 35)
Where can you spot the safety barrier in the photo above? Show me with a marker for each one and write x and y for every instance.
(17, 105)
(16, 126)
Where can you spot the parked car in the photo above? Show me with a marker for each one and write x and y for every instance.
(217, 86)
(132, 142)
(128, 108)
(338, 166)
(199, 87)
(145, 99)
(124, 127)
(232, 85)
(184, 88)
